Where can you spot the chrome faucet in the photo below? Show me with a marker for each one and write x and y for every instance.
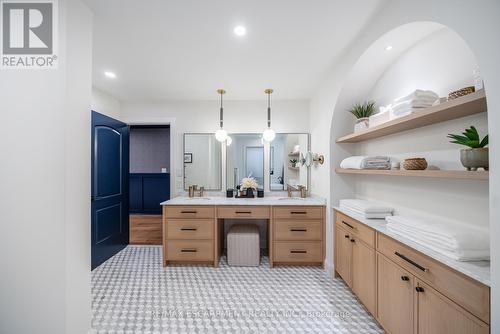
(300, 188)
(194, 188)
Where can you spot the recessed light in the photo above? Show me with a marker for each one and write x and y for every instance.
(110, 75)
(240, 31)
(388, 48)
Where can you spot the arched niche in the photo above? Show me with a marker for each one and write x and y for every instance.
(436, 58)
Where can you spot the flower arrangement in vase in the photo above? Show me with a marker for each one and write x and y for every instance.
(249, 184)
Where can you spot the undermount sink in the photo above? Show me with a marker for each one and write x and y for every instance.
(197, 198)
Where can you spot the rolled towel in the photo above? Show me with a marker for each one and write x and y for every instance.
(365, 206)
(364, 162)
(418, 93)
(448, 234)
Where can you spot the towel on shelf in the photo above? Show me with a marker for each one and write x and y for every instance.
(365, 162)
(383, 116)
(418, 94)
(367, 209)
(455, 240)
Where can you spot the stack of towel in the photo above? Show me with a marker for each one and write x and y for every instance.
(413, 102)
(455, 240)
(365, 208)
(365, 162)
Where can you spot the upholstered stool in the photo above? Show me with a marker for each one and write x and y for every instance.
(243, 247)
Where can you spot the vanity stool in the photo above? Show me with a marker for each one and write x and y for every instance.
(243, 247)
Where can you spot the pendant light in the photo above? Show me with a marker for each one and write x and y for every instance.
(268, 134)
(221, 134)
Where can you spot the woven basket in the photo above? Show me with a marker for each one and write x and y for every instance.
(415, 164)
(461, 92)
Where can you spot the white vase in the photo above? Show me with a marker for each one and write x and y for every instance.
(361, 124)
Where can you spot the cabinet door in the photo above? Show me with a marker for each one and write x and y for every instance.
(436, 314)
(363, 273)
(343, 254)
(395, 288)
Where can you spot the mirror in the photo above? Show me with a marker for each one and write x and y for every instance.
(285, 164)
(202, 161)
(245, 157)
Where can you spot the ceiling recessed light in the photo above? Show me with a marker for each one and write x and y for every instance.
(388, 48)
(110, 75)
(240, 31)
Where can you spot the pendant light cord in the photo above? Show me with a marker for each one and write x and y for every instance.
(221, 116)
(269, 109)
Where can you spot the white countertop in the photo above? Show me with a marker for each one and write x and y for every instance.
(477, 270)
(269, 200)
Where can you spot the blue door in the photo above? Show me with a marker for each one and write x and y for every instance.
(110, 169)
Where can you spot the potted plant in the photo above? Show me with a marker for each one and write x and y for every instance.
(249, 184)
(362, 111)
(476, 156)
(294, 162)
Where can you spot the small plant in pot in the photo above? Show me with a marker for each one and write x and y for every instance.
(294, 162)
(476, 156)
(362, 111)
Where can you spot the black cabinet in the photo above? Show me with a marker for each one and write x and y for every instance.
(147, 191)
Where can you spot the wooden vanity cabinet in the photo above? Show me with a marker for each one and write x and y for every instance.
(407, 291)
(355, 262)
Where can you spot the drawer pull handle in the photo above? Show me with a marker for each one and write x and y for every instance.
(188, 250)
(298, 212)
(411, 262)
(188, 229)
(405, 278)
(298, 251)
(352, 240)
(419, 289)
(298, 230)
(346, 236)
(244, 212)
(189, 211)
(343, 222)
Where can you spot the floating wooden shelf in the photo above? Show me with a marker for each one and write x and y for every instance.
(294, 154)
(460, 107)
(293, 168)
(446, 174)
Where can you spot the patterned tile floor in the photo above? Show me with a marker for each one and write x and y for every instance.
(133, 293)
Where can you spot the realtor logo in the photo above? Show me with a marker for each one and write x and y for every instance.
(28, 36)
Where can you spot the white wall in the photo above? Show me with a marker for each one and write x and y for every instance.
(475, 22)
(45, 187)
(203, 116)
(105, 104)
(441, 62)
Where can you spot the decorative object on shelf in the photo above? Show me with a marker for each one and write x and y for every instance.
(362, 111)
(229, 193)
(221, 134)
(415, 164)
(260, 193)
(248, 185)
(188, 158)
(478, 80)
(269, 134)
(477, 155)
(293, 162)
(461, 92)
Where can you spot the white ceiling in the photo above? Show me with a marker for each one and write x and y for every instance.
(185, 49)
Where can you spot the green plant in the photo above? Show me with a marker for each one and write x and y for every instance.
(363, 110)
(470, 138)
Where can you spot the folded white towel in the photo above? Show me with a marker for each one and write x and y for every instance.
(367, 215)
(457, 255)
(365, 206)
(449, 235)
(364, 162)
(418, 94)
(383, 116)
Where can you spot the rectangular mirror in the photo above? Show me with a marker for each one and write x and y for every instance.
(202, 161)
(284, 163)
(245, 157)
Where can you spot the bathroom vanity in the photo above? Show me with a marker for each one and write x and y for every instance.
(193, 228)
(405, 286)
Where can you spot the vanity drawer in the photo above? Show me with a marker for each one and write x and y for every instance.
(190, 211)
(190, 229)
(298, 252)
(298, 212)
(350, 225)
(190, 250)
(298, 230)
(243, 211)
(470, 294)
